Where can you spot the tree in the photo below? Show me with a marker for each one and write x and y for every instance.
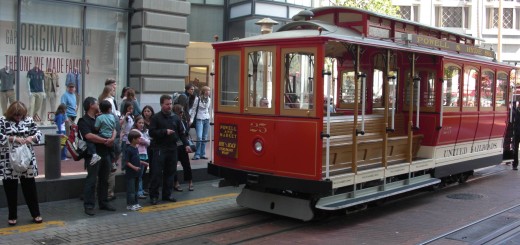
(378, 6)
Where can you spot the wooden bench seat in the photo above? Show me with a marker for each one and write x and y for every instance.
(369, 153)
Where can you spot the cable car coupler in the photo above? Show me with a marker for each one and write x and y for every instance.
(324, 135)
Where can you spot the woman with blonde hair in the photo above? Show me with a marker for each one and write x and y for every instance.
(17, 128)
(199, 113)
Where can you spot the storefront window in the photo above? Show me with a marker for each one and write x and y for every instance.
(105, 50)
(7, 53)
(51, 48)
(450, 86)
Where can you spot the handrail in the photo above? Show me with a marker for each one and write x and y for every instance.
(418, 81)
(326, 76)
(363, 78)
(442, 107)
(394, 106)
(212, 116)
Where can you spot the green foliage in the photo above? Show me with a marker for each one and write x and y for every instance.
(378, 6)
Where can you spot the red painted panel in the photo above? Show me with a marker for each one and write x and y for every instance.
(499, 125)
(450, 129)
(428, 124)
(297, 143)
(290, 146)
(485, 124)
(468, 126)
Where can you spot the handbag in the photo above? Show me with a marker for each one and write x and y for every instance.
(191, 144)
(19, 157)
(192, 125)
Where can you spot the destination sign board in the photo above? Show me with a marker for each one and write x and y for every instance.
(228, 140)
(447, 45)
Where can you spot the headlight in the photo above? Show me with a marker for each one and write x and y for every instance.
(258, 146)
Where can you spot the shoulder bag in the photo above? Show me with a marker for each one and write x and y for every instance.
(19, 157)
(196, 112)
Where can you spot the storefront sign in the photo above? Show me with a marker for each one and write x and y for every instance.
(228, 140)
(448, 45)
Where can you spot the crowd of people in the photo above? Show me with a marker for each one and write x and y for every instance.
(115, 133)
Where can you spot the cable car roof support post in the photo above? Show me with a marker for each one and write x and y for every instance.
(410, 109)
(356, 108)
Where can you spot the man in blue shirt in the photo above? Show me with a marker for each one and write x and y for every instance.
(69, 99)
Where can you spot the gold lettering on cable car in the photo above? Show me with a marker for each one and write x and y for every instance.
(258, 128)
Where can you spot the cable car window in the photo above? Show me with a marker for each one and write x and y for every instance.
(348, 84)
(229, 81)
(259, 78)
(487, 83)
(501, 91)
(450, 86)
(427, 90)
(298, 81)
(470, 87)
(377, 89)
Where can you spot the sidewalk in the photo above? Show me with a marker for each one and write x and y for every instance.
(71, 167)
(70, 184)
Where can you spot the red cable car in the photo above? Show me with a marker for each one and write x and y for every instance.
(343, 107)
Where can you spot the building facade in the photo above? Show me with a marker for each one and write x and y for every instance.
(478, 18)
(140, 43)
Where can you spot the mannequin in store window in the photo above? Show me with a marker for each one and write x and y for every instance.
(36, 85)
(7, 80)
(75, 77)
(51, 89)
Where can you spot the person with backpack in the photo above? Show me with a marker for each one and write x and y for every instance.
(98, 172)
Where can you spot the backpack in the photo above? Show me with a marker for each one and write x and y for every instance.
(176, 96)
(75, 144)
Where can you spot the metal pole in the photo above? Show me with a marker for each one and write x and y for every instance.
(52, 156)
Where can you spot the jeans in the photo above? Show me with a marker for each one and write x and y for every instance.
(131, 187)
(97, 172)
(162, 169)
(140, 190)
(202, 129)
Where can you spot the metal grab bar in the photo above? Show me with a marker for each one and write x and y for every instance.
(394, 106)
(363, 78)
(326, 78)
(418, 81)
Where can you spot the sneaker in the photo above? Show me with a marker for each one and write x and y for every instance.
(133, 207)
(95, 159)
(139, 207)
(141, 196)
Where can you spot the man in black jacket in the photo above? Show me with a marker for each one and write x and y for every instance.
(165, 129)
(516, 133)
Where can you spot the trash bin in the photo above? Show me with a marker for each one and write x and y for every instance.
(52, 156)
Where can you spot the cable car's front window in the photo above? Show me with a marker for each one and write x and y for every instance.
(229, 81)
(299, 80)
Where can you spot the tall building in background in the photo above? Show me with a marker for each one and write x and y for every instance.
(229, 19)
(478, 18)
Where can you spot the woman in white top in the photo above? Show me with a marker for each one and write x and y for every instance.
(200, 115)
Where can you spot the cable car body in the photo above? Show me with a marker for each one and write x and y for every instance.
(349, 106)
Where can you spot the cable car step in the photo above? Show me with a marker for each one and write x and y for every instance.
(350, 199)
